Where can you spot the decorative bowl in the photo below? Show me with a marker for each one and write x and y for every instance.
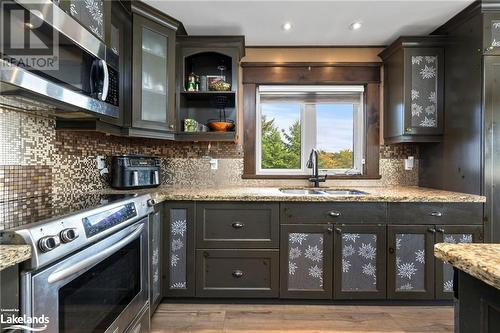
(220, 126)
(219, 85)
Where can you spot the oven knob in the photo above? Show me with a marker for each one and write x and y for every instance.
(48, 243)
(151, 202)
(68, 235)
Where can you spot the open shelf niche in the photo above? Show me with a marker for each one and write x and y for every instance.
(203, 56)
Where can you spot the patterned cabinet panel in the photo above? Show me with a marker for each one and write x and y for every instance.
(155, 294)
(360, 262)
(444, 271)
(179, 266)
(92, 14)
(410, 262)
(306, 261)
(424, 77)
(492, 33)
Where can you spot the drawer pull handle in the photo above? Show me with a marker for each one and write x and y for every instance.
(441, 230)
(436, 214)
(237, 225)
(432, 230)
(237, 274)
(338, 230)
(334, 214)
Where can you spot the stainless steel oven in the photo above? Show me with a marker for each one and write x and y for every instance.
(98, 289)
(89, 269)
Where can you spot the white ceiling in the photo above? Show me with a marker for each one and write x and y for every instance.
(313, 22)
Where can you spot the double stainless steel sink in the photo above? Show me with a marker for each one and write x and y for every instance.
(326, 191)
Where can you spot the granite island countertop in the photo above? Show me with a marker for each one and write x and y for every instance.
(374, 194)
(11, 255)
(482, 261)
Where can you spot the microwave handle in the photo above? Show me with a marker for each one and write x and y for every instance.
(105, 85)
(91, 261)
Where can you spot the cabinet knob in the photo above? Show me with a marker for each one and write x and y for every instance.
(338, 230)
(436, 214)
(431, 230)
(334, 213)
(237, 225)
(391, 250)
(441, 230)
(237, 273)
(171, 126)
(329, 229)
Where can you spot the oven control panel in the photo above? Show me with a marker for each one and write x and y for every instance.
(102, 221)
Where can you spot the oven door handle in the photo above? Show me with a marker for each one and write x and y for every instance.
(91, 261)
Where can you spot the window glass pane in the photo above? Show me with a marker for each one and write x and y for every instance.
(335, 135)
(281, 136)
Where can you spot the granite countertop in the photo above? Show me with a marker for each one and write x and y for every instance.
(375, 194)
(13, 254)
(482, 261)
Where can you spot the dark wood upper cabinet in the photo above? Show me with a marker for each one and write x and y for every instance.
(414, 89)
(207, 57)
(153, 76)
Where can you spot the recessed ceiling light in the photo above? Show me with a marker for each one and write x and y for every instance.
(355, 26)
(287, 26)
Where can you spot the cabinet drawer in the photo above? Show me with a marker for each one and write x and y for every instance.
(336, 212)
(435, 213)
(240, 225)
(237, 273)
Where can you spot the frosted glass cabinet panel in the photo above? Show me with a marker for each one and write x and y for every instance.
(444, 271)
(424, 84)
(154, 72)
(359, 256)
(306, 261)
(180, 249)
(154, 76)
(92, 14)
(411, 263)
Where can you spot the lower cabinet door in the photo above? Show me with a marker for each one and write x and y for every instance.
(359, 262)
(452, 234)
(237, 273)
(155, 271)
(306, 261)
(179, 265)
(410, 266)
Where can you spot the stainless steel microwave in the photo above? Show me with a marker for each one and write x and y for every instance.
(80, 80)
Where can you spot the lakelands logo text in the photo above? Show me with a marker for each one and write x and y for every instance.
(27, 323)
(27, 41)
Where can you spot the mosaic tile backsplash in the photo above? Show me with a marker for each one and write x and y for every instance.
(40, 166)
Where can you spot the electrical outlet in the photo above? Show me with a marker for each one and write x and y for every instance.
(214, 164)
(101, 162)
(409, 163)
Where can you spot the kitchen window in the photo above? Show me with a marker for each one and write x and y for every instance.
(292, 120)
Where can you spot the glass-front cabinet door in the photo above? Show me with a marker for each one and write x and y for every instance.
(153, 75)
(179, 249)
(306, 261)
(410, 266)
(444, 272)
(359, 262)
(491, 33)
(424, 88)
